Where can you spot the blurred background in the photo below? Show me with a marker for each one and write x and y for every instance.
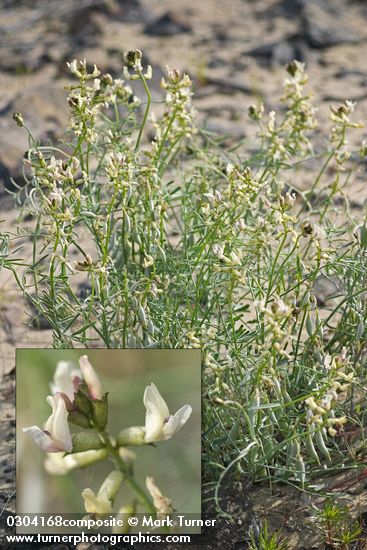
(235, 51)
(174, 464)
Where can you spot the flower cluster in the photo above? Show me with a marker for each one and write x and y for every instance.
(321, 409)
(177, 121)
(340, 116)
(277, 329)
(87, 100)
(133, 60)
(78, 398)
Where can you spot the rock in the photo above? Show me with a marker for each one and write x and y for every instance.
(280, 53)
(84, 290)
(325, 25)
(45, 111)
(131, 11)
(324, 288)
(85, 28)
(27, 34)
(344, 72)
(286, 51)
(24, 58)
(287, 8)
(168, 24)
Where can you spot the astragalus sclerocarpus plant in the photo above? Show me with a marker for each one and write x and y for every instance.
(79, 400)
(178, 242)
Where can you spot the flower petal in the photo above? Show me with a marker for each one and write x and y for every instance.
(153, 425)
(91, 378)
(63, 379)
(153, 399)
(43, 440)
(157, 412)
(176, 421)
(57, 424)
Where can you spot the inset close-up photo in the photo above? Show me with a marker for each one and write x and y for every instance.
(108, 433)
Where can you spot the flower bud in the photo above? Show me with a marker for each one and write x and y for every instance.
(293, 67)
(95, 505)
(60, 464)
(80, 460)
(66, 379)
(133, 58)
(18, 118)
(111, 485)
(124, 513)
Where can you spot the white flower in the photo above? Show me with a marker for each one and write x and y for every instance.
(73, 66)
(91, 378)
(55, 436)
(218, 251)
(159, 423)
(55, 197)
(96, 505)
(148, 261)
(66, 379)
(234, 258)
(96, 84)
(271, 121)
(102, 502)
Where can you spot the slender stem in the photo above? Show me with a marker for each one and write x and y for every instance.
(169, 125)
(146, 111)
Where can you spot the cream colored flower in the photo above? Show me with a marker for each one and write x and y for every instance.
(159, 423)
(102, 502)
(96, 504)
(55, 436)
